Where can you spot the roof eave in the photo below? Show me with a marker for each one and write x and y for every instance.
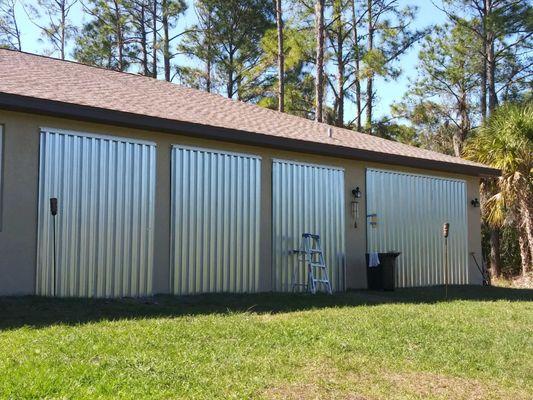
(34, 105)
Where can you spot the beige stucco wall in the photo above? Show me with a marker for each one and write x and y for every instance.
(18, 235)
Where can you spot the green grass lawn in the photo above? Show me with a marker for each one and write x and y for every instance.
(409, 344)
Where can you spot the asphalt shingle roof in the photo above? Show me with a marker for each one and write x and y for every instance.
(51, 79)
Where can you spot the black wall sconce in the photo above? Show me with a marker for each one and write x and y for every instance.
(356, 193)
(475, 203)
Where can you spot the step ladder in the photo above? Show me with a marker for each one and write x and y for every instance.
(311, 256)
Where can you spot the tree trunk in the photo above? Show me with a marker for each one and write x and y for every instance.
(357, 57)
(483, 92)
(495, 250)
(526, 216)
(208, 75)
(319, 82)
(154, 38)
(166, 39)
(144, 40)
(490, 58)
(457, 144)
(525, 256)
(495, 259)
(17, 32)
(62, 29)
(370, 79)
(120, 39)
(230, 85)
(208, 45)
(281, 58)
(491, 76)
(460, 136)
(337, 12)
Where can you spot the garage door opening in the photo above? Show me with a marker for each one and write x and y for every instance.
(410, 211)
(307, 198)
(105, 190)
(215, 215)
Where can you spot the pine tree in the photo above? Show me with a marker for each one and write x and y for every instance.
(10, 34)
(505, 28)
(388, 36)
(57, 29)
(444, 94)
(319, 79)
(281, 57)
(234, 38)
(106, 40)
(170, 12)
(298, 51)
(142, 23)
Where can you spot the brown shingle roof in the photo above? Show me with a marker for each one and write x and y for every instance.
(49, 79)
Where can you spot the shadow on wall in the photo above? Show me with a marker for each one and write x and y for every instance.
(35, 311)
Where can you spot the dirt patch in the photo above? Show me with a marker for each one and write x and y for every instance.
(331, 383)
(518, 282)
(308, 392)
(438, 386)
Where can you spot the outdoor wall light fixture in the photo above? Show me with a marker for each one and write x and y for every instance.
(355, 205)
(475, 202)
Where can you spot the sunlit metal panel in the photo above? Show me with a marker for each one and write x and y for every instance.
(105, 188)
(307, 198)
(215, 216)
(411, 210)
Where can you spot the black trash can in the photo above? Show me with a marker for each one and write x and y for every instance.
(387, 263)
(374, 279)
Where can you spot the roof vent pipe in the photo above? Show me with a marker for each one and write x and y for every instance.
(330, 132)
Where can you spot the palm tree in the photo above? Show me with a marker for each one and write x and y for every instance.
(505, 142)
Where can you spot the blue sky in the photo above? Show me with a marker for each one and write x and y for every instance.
(387, 92)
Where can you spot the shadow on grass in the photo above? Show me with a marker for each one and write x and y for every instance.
(33, 311)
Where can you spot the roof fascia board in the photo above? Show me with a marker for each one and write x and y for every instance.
(47, 107)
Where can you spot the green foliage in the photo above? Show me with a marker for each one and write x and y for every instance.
(104, 39)
(506, 142)
(231, 31)
(397, 132)
(297, 47)
(507, 26)
(397, 345)
(442, 100)
(509, 250)
(191, 77)
(299, 95)
(391, 25)
(299, 81)
(171, 10)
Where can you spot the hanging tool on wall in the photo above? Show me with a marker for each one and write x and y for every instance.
(356, 193)
(373, 220)
(445, 233)
(53, 211)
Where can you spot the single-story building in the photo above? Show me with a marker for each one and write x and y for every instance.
(166, 189)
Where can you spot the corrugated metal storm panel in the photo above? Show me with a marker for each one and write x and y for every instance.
(105, 188)
(1, 171)
(215, 221)
(411, 210)
(307, 198)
